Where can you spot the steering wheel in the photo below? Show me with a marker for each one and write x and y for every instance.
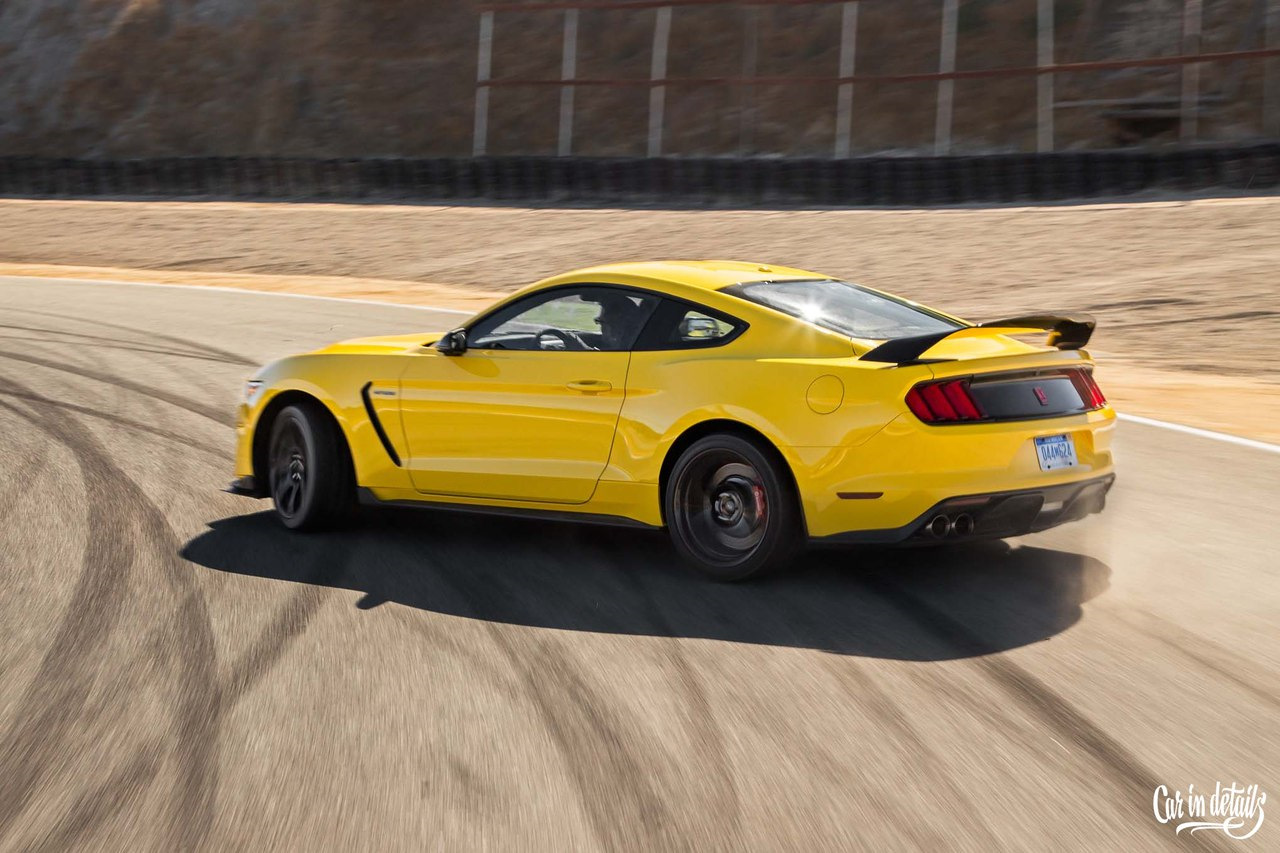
(571, 339)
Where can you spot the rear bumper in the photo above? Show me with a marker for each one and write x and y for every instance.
(901, 474)
(995, 515)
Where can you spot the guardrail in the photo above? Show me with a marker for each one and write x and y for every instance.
(912, 181)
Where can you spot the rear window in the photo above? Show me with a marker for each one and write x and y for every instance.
(844, 308)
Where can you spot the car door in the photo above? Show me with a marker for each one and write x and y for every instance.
(528, 410)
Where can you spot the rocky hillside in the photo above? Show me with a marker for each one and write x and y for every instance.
(352, 78)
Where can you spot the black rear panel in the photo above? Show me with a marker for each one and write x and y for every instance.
(1013, 397)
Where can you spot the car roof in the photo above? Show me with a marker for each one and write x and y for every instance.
(705, 275)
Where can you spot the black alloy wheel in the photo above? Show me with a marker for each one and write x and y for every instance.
(731, 511)
(309, 468)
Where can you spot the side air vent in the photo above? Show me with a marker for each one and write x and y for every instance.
(377, 424)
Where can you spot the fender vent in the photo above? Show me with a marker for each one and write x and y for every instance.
(377, 424)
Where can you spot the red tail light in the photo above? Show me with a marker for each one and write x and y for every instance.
(1090, 394)
(948, 401)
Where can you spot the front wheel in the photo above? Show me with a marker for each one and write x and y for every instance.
(730, 509)
(309, 468)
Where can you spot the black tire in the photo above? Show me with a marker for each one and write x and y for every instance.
(309, 471)
(731, 509)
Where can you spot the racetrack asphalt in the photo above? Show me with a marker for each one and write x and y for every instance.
(177, 671)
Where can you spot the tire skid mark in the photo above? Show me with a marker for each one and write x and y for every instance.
(119, 421)
(290, 622)
(856, 683)
(49, 710)
(860, 686)
(202, 698)
(209, 697)
(196, 722)
(441, 641)
(148, 334)
(624, 810)
(213, 413)
(122, 789)
(889, 717)
(1205, 652)
(31, 468)
(611, 782)
(1119, 767)
(102, 342)
(708, 740)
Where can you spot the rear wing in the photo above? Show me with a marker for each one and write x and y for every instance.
(1065, 332)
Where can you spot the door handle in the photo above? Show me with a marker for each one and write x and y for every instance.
(591, 386)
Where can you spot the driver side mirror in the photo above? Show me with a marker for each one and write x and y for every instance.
(453, 343)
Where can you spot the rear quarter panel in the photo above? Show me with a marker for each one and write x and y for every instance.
(795, 402)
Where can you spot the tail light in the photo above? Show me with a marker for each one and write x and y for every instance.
(948, 401)
(1090, 393)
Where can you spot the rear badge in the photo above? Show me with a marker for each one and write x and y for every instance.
(1041, 396)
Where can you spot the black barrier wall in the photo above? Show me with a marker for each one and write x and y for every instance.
(863, 181)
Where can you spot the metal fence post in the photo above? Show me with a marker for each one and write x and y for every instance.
(1044, 80)
(658, 71)
(746, 91)
(946, 88)
(844, 94)
(1271, 78)
(1191, 21)
(568, 68)
(484, 61)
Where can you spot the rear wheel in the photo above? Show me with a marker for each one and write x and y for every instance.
(730, 509)
(309, 471)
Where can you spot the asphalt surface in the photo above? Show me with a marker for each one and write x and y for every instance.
(177, 671)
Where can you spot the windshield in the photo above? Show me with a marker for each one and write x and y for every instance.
(845, 308)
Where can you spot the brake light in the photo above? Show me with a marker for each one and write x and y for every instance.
(948, 401)
(1090, 394)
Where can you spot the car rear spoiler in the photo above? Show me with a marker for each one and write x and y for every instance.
(1065, 332)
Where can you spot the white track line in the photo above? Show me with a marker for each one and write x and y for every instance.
(1137, 419)
(1203, 433)
(220, 289)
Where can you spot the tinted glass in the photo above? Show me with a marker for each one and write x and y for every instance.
(845, 308)
(566, 319)
(679, 325)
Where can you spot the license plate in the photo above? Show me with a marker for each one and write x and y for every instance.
(1056, 451)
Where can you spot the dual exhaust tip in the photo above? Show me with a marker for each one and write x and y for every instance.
(942, 526)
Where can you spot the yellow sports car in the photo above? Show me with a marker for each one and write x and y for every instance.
(746, 408)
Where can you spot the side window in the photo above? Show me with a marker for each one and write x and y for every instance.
(679, 325)
(606, 319)
(698, 328)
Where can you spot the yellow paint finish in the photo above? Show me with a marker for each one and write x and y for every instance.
(540, 430)
(825, 394)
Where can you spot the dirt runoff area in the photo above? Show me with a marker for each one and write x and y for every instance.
(1185, 292)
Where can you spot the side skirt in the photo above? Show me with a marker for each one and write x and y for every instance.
(367, 498)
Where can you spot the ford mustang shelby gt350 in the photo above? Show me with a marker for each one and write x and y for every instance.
(746, 408)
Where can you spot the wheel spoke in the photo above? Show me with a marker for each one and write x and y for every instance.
(288, 472)
(724, 506)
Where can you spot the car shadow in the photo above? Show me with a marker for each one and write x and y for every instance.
(906, 604)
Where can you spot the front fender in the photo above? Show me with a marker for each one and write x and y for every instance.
(335, 382)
